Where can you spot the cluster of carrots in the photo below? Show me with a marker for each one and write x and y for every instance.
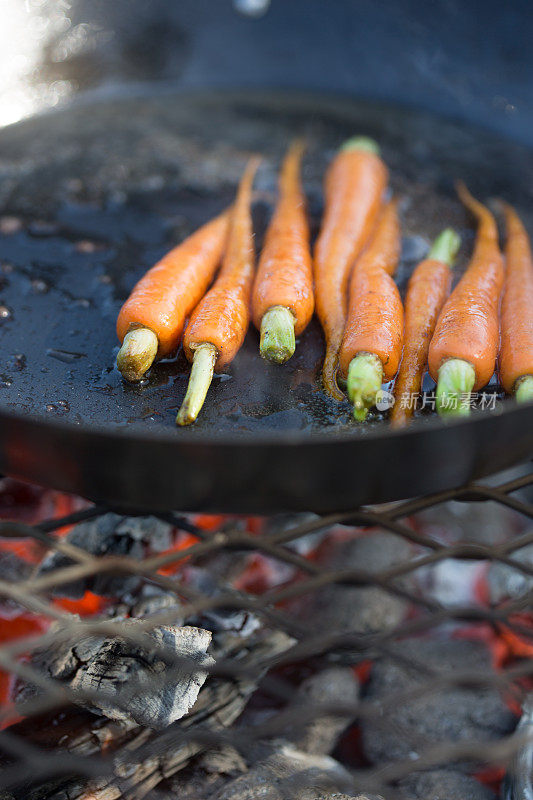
(370, 337)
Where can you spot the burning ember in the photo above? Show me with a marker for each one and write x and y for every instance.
(230, 657)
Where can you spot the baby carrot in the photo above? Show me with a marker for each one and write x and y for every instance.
(354, 186)
(372, 342)
(283, 299)
(150, 322)
(463, 350)
(428, 288)
(516, 351)
(219, 322)
(383, 249)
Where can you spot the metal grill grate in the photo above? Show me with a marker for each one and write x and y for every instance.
(267, 640)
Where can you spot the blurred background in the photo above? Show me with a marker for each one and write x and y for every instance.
(464, 58)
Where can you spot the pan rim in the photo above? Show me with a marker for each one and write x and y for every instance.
(267, 438)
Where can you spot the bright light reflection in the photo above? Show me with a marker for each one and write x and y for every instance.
(26, 27)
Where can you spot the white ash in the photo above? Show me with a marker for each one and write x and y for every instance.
(220, 702)
(132, 682)
(158, 700)
(509, 583)
(451, 582)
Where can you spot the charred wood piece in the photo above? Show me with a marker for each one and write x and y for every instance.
(219, 703)
(219, 619)
(109, 534)
(288, 772)
(134, 683)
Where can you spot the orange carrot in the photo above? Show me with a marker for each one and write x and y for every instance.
(372, 343)
(384, 248)
(283, 299)
(428, 288)
(516, 351)
(219, 323)
(463, 350)
(354, 186)
(150, 322)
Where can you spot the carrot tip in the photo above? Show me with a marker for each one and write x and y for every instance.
(203, 366)
(456, 381)
(476, 208)
(277, 335)
(137, 353)
(361, 143)
(445, 247)
(524, 389)
(365, 375)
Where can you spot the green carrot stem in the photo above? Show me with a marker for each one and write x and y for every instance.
(446, 246)
(456, 381)
(277, 335)
(361, 143)
(137, 353)
(365, 376)
(524, 389)
(203, 366)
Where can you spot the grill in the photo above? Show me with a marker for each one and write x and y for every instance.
(385, 650)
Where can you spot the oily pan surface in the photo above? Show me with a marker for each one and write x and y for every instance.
(93, 195)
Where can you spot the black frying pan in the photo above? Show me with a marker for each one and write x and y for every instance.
(99, 191)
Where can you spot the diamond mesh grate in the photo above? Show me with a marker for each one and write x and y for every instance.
(99, 757)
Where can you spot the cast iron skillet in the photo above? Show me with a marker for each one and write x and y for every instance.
(93, 195)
